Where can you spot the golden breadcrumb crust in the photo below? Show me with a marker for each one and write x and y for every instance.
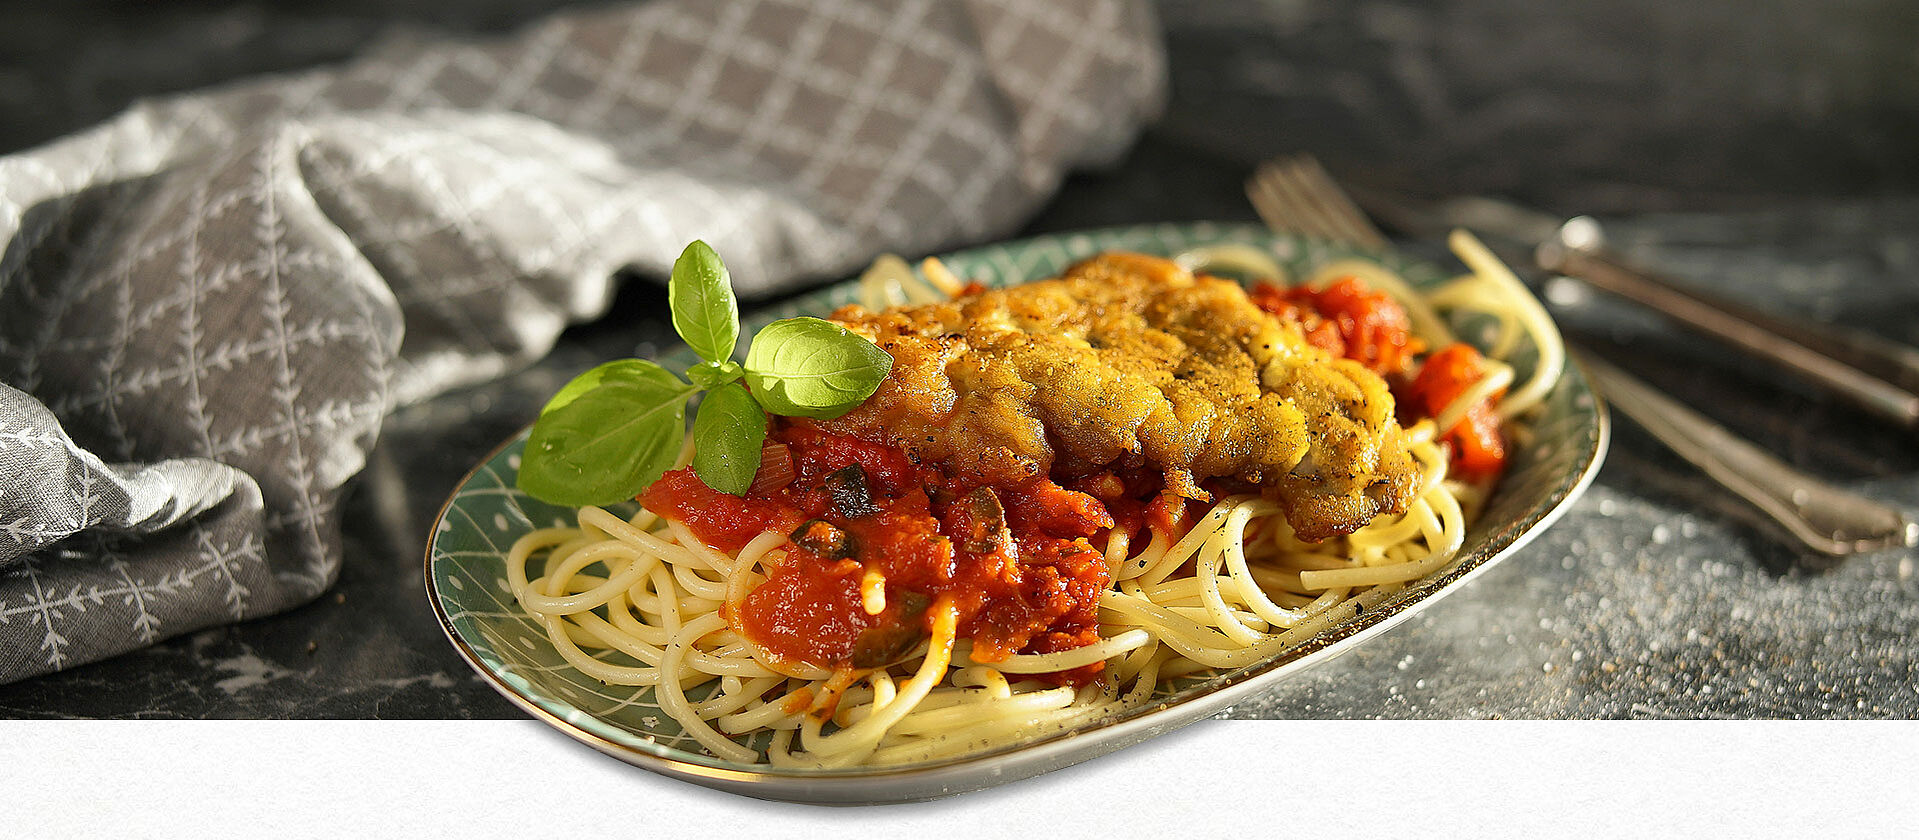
(1127, 360)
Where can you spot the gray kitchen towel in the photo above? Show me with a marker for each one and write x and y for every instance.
(208, 304)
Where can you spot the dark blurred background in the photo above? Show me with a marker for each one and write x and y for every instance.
(1590, 105)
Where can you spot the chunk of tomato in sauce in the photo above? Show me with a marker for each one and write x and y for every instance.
(817, 453)
(1478, 450)
(809, 613)
(1043, 507)
(1055, 597)
(1348, 319)
(723, 520)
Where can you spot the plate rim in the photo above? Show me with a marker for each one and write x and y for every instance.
(960, 774)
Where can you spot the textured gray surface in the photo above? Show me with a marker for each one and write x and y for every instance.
(1782, 171)
(1607, 104)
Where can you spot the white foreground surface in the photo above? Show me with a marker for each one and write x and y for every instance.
(485, 779)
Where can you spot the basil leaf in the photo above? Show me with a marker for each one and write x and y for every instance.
(711, 375)
(607, 443)
(727, 433)
(704, 311)
(807, 367)
(620, 370)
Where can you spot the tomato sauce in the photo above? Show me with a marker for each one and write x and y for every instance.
(1348, 319)
(1136, 501)
(1478, 450)
(1012, 557)
(725, 521)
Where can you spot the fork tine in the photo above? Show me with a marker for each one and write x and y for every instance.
(1297, 194)
(1340, 210)
(1262, 191)
(1270, 191)
(1277, 201)
(1288, 186)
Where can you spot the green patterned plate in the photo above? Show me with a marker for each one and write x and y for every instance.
(466, 580)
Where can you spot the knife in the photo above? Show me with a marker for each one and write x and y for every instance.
(1874, 374)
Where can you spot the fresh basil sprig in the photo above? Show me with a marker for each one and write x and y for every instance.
(617, 428)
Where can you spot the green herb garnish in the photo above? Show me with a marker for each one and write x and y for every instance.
(728, 433)
(806, 367)
(617, 428)
(704, 311)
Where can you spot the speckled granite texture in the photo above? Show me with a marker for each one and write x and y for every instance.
(1764, 149)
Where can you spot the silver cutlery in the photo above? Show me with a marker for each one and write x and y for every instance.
(1874, 374)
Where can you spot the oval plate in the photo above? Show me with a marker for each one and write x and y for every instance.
(466, 579)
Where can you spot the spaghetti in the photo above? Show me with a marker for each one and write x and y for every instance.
(645, 601)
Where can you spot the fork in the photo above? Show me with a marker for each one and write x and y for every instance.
(1296, 195)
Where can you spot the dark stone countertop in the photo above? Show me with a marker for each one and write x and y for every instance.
(1651, 598)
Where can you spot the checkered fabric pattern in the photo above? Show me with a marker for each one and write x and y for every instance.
(208, 305)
